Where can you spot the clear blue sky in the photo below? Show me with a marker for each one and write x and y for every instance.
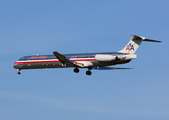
(30, 27)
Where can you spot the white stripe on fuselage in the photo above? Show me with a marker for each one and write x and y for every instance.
(55, 59)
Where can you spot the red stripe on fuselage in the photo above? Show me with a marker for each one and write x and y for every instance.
(47, 61)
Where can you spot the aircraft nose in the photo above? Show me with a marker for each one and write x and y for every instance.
(15, 65)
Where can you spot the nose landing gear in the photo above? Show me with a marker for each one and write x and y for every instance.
(19, 72)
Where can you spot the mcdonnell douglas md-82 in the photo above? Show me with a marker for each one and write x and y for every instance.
(98, 61)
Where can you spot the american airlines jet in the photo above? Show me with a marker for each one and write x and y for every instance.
(98, 61)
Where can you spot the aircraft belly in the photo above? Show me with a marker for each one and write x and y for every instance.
(40, 65)
(113, 62)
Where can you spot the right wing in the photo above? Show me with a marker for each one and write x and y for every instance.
(65, 61)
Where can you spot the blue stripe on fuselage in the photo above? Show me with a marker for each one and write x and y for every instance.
(69, 56)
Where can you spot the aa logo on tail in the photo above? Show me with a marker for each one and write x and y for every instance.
(129, 47)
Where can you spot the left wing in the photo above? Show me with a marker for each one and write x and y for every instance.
(65, 61)
(108, 68)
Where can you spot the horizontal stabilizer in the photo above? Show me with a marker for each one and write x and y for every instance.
(108, 68)
(135, 37)
(149, 40)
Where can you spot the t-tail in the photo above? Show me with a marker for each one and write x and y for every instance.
(134, 43)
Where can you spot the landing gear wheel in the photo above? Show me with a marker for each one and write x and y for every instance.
(19, 71)
(76, 70)
(88, 72)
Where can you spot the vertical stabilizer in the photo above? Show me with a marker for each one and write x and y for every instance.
(133, 44)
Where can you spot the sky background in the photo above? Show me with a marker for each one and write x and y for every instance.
(30, 27)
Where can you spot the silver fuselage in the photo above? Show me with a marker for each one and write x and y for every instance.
(51, 61)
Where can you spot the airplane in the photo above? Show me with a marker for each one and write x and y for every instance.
(98, 61)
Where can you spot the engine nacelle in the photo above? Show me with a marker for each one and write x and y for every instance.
(105, 58)
(127, 57)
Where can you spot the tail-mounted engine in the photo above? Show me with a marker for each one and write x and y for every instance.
(105, 58)
(109, 58)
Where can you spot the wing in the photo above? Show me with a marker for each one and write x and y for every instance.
(67, 62)
(108, 68)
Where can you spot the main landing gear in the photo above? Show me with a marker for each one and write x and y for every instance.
(19, 71)
(76, 70)
(88, 72)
